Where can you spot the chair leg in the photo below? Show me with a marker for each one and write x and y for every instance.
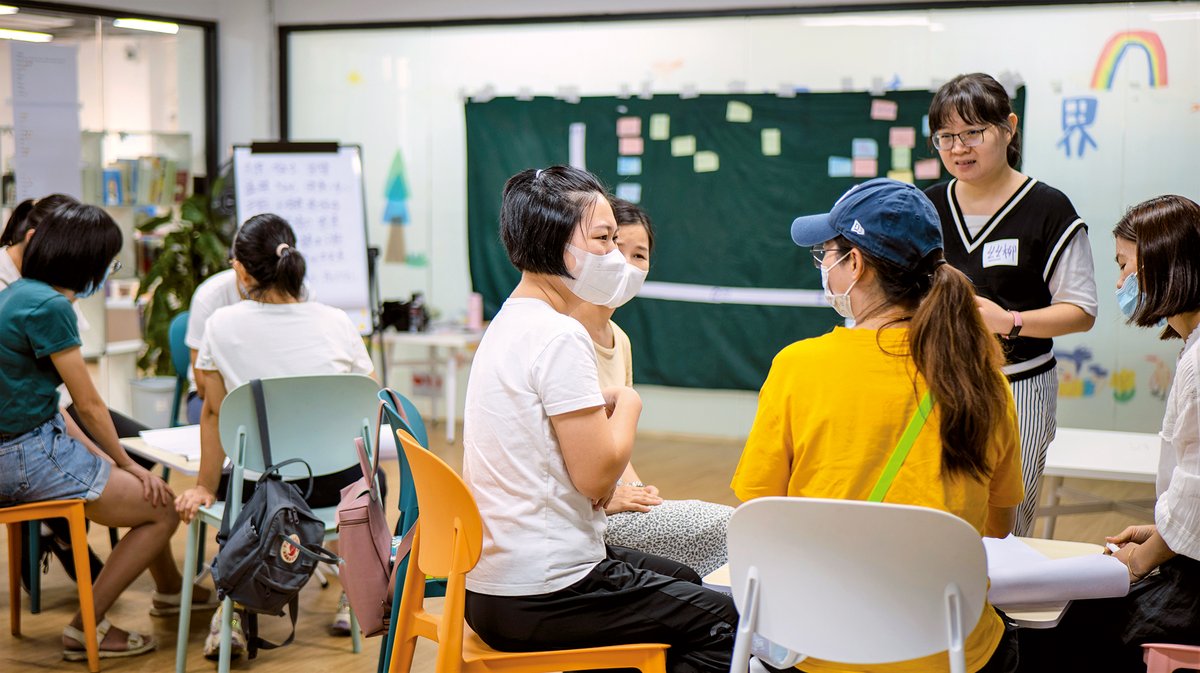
(226, 636)
(114, 536)
(355, 634)
(83, 579)
(14, 578)
(185, 596)
(200, 545)
(35, 575)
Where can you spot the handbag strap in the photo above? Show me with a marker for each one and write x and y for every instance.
(368, 469)
(260, 409)
(902, 448)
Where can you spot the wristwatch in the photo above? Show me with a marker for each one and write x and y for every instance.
(1017, 324)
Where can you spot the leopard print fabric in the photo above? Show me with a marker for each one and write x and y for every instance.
(691, 532)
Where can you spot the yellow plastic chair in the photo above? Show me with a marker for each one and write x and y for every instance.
(72, 511)
(447, 543)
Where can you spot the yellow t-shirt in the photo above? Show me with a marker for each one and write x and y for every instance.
(830, 413)
(615, 365)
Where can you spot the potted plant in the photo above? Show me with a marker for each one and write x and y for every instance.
(194, 247)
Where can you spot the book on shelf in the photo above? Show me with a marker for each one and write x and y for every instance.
(147, 180)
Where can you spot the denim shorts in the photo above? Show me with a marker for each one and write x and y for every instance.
(48, 464)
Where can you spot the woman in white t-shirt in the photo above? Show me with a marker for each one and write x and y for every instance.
(544, 446)
(273, 333)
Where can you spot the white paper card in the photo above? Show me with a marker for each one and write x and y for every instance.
(1020, 575)
(1000, 253)
(182, 441)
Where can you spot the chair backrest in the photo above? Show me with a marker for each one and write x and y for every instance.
(410, 420)
(857, 582)
(315, 418)
(407, 501)
(448, 513)
(181, 356)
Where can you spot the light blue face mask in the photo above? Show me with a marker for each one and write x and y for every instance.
(91, 288)
(1127, 295)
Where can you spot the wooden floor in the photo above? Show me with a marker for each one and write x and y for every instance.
(681, 467)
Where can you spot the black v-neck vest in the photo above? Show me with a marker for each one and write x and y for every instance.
(1012, 258)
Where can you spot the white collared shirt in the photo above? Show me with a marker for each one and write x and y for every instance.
(1177, 512)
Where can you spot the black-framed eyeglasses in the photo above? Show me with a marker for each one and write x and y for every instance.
(969, 138)
(818, 254)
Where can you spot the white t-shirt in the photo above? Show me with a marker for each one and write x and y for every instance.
(251, 340)
(1177, 512)
(217, 291)
(540, 534)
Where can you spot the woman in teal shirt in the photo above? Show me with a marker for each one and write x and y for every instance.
(70, 257)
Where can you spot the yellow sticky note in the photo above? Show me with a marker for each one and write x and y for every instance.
(902, 158)
(738, 112)
(772, 142)
(902, 176)
(660, 126)
(683, 146)
(705, 161)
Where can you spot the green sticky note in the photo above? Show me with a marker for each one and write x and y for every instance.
(705, 162)
(902, 158)
(683, 146)
(738, 112)
(772, 142)
(660, 126)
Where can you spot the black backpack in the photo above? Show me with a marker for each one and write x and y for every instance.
(272, 549)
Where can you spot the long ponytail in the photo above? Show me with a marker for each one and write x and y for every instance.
(960, 361)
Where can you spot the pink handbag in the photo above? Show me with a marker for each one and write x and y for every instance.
(364, 543)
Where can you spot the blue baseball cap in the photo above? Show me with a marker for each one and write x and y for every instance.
(889, 219)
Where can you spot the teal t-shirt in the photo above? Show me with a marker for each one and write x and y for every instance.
(35, 321)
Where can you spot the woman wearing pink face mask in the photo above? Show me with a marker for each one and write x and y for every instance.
(1022, 244)
(543, 447)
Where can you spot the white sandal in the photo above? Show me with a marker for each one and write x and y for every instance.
(166, 605)
(135, 643)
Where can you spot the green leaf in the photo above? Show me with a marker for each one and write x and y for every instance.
(155, 222)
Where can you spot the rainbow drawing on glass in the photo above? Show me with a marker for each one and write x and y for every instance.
(1121, 44)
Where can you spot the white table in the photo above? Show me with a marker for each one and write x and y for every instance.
(459, 345)
(1033, 616)
(175, 461)
(1098, 454)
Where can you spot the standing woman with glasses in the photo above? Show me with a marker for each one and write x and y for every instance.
(70, 258)
(1022, 244)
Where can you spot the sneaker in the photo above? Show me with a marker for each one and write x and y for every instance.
(212, 644)
(341, 619)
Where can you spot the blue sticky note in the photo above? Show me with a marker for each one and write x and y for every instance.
(630, 191)
(925, 126)
(629, 165)
(840, 167)
(864, 148)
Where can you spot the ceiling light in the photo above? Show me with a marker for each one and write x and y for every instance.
(8, 9)
(145, 24)
(24, 35)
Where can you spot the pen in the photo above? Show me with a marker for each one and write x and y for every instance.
(1112, 547)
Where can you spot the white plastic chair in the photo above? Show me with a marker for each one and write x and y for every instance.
(854, 582)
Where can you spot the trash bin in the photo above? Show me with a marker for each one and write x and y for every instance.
(151, 399)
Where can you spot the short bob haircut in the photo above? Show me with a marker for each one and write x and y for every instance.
(265, 246)
(539, 213)
(976, 98)
(28, 215)
(629, 213)
(1166, 231)
(73, 247)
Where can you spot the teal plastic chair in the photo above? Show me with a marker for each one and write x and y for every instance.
(315, 418)
(402, 414)
(181, 359)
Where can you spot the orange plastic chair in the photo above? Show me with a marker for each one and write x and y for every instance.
(1165, 658)
(72, 511)
(447, 544)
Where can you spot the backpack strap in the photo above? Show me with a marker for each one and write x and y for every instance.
(254, 643)
(260, 409)
(902, 448)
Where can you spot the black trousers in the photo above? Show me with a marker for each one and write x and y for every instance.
(629, 597)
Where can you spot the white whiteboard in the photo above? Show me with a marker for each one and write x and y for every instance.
(321, 195)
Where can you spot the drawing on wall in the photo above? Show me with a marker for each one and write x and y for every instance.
(1160, 378)
(1124, 383)
(1080, 379)
(395, 210)
(1078, 113)
(1119, 46)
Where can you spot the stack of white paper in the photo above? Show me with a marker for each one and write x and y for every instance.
(183, 441)
(1020, 575)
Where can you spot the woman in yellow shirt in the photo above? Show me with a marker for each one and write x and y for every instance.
(834, 407)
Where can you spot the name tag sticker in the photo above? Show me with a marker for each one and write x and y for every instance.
(1000, 253)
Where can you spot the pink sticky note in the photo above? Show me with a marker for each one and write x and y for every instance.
(927, 169)
(884, 109)
(630, 146)
(902, 136)
(865, 168)
(628, 127)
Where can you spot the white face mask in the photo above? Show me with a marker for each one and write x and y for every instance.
(631, 285)
(839, 302)
(598, 279)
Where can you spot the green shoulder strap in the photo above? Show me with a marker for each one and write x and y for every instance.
(902, 448)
